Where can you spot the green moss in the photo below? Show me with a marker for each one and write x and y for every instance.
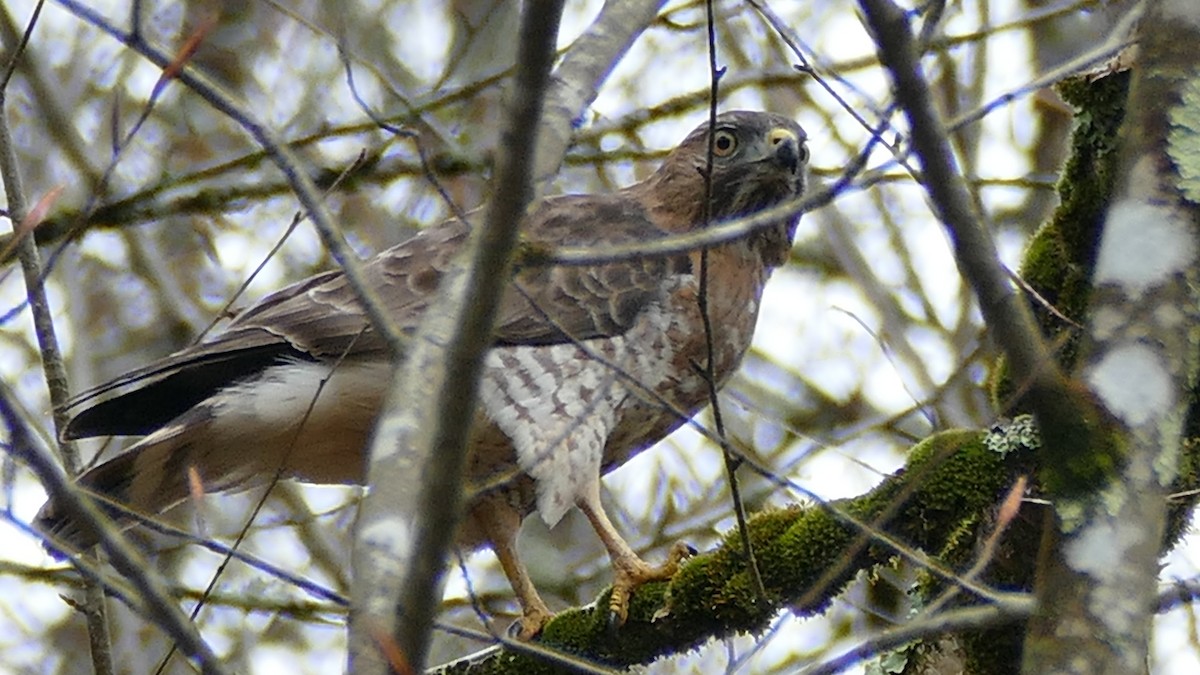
(572, 630)
(806, 554)
(1061, 255)
(1058, 265)
(950, 477)
(994, 652)
(1186, 489)
(986, 466)
(1084, 450)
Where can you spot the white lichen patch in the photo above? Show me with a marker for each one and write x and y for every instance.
(1166, 466)
(1168, 317)
(1021, 433)
(1132, 382)
(389, 543)
(1074, 514)
(387, 439)
(1180, 10)
(390, 533)
(1143, 246)
(1113, 497)
(1100, 551)
(1100, 548)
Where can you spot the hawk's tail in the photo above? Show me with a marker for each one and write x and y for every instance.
(138, 480)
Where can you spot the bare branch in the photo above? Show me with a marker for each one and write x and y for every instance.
(281, 154)
(55, 372)
(159, 606)
(578, 78)
(431, 406)
(1005, 311)
(970, 618)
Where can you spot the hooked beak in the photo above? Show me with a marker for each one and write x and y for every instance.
(786, 148)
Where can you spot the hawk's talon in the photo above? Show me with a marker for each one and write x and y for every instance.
(680, 551)
(612, 621)
(529, 626)
(632, 573)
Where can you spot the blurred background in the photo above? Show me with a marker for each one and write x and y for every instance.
(867, 341)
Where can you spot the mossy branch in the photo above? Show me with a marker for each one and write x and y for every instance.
(951, 480)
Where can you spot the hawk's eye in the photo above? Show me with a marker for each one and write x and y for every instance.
(724, 143)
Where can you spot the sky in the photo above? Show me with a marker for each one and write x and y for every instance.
(812, 329)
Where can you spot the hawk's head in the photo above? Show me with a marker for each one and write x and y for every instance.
(759, 159)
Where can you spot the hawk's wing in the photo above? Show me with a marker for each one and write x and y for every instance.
(553, 304)
(320, 318)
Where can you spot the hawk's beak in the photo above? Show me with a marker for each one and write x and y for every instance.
(785, 147)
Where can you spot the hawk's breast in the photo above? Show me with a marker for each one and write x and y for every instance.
(560, 404)
(736, 280)
(570, 409)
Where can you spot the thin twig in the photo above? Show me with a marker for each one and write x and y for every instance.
(281, 154)
(297, 219)
(152, 591)
(1006, 513)
(708, 370)
(400, 132)
(262, 500)
(793, 42)
(1006, 312)
(950, 622)
(93, 606)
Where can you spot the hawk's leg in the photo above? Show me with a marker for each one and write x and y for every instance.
(629, 570)
(501, 526)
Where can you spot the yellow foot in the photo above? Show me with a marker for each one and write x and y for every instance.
(531, 623)
(634, 572)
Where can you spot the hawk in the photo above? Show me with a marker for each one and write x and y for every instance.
(589, 365)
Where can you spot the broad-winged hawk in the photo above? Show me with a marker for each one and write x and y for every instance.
(590, 365)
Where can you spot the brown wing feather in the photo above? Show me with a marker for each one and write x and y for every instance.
(549, 305)
(320, 317)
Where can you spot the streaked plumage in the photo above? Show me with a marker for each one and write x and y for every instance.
(557, 404)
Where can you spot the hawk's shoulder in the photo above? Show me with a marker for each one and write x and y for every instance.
(553, 304)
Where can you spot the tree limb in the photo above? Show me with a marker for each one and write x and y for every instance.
(949, 481)
(1097, 589)
(397, 565)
